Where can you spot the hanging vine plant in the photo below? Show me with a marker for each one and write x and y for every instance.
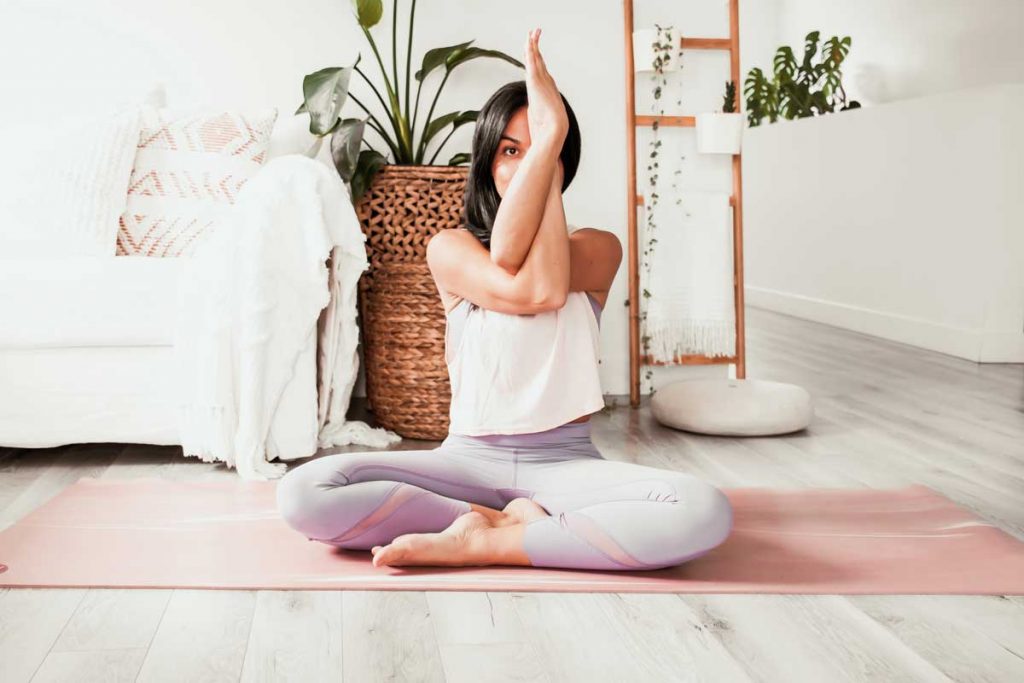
(662, 47)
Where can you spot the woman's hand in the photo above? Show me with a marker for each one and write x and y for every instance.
(545, 113)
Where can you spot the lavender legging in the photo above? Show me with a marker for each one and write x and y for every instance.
(605, 514)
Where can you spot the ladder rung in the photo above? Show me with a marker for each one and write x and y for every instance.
(640, 200)
(680, 121)
(688, 359)
(705, 44)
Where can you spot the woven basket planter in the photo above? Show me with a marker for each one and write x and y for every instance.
(402, 317)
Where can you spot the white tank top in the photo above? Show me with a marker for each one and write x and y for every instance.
(519, 374)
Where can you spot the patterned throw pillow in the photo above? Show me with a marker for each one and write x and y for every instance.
(189, 168)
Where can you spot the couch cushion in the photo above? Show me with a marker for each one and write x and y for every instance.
(63, 184)
(88, 301)
(732, 407)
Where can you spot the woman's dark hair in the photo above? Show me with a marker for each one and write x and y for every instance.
(481, 197)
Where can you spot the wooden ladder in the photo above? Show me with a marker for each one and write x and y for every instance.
(634, 200)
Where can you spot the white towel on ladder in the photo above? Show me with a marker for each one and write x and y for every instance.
(691, 307)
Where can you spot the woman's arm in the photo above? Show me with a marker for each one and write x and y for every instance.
(462, 266)
(519, 215)
(594, 255)
(518, 220)
(548, 263)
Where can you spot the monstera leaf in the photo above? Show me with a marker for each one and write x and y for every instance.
(799, 89)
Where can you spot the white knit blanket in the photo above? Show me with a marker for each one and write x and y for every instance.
(249, 299)
(691, 307)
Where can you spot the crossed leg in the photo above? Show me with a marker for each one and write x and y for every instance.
(573, 512)
(360, 500)
(606, 514)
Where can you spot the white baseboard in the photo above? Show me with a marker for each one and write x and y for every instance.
(974, 345)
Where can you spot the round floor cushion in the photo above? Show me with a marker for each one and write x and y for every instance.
(732, 407)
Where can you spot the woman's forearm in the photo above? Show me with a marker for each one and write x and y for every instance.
(519, 215)
(547, 264)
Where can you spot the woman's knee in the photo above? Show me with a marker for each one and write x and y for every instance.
(705, 510)
(298, 493)
(702, 518)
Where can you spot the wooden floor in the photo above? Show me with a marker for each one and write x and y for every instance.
(886, 415)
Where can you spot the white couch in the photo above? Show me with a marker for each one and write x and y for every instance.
(86, 349)
(86, 355)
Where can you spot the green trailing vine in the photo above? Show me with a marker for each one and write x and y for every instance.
(800, 89)
(662, 48)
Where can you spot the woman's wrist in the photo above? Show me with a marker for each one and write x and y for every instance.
(547, 146)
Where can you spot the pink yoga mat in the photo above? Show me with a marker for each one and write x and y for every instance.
(156, 533)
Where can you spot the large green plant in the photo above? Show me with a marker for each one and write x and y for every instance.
(325, 91)
(800, 89)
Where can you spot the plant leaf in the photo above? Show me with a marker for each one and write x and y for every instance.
(368, 12)
(466, 54)
(436, 57)
(456, 117)
(784, 63)
(302, 108)
(836, 50)
(366, 168)
(460, 158)
(325, 92)
(345, 142)
(810, 47)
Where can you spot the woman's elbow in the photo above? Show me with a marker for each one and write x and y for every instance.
(553, 299)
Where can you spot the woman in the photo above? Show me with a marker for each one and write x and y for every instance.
(518, 480)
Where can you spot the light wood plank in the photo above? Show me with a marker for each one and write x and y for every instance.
(389, 635)
(481, 638)
(296, 636)
(808, 638)
(202, 637)
(30, 621)
(969, 638)
(90, 665)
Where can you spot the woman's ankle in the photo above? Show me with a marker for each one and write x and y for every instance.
(501, 545)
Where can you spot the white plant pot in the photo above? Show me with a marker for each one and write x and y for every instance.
(644, 52)
(719, 133)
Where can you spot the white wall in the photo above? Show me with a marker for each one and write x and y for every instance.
(908, 48)
(900, 219)
(91, 54)
(904, 220)
(86, 55)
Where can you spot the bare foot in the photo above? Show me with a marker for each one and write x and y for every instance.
(456, 546)
(518, 511)
(495, 517)
(524, 510)
(483, 536)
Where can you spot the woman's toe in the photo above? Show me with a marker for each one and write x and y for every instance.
(385, 555)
